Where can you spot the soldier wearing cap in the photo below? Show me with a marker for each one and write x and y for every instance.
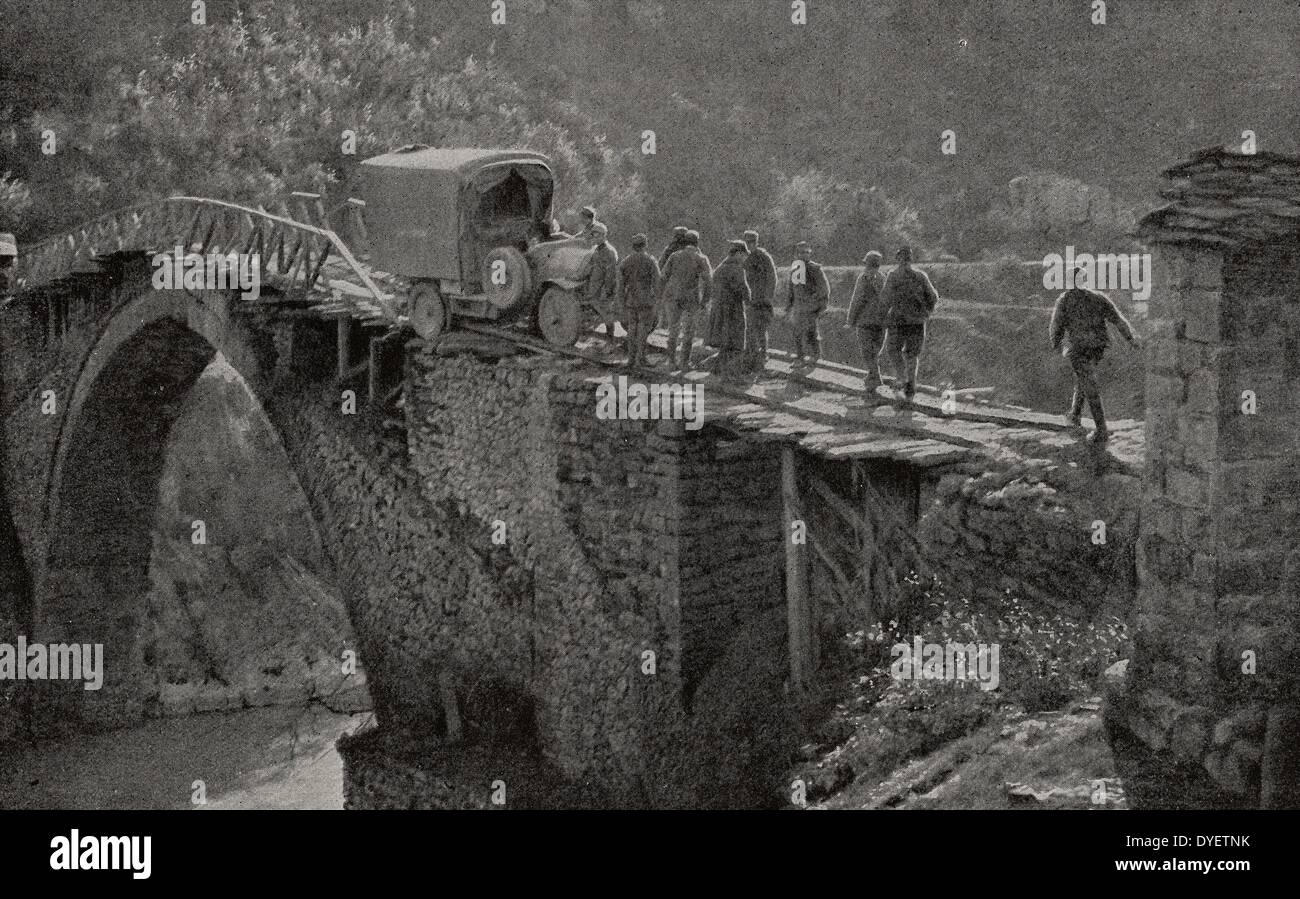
(760, 272)
(601, 270)
(8, 259)
(808, 296)
(638, 277)
(731, 294)
(678, 241)
(909, 300)
(867, 317)
(684, 290)
(587, 222)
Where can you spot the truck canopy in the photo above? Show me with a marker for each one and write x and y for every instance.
(433, 212)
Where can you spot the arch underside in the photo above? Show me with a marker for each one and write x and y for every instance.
(104, 522)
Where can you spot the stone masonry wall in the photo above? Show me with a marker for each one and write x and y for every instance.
(1027, 530)
(606, 517)
(1216, 641)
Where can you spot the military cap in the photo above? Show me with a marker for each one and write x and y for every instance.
(680, 231)
(873, 254)
(803, 244)
(693, 237)
(751, 235)
(8, 246)
(599, 228)
(638, 240)
(589, 211)
(738, 246)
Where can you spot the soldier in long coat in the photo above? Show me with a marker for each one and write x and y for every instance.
(727, 318)
(760, 272)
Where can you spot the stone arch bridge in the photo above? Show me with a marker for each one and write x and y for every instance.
(616, 600)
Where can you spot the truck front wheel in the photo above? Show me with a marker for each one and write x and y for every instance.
(559, 316)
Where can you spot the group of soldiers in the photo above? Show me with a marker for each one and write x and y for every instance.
(674, 290)
(888, 313)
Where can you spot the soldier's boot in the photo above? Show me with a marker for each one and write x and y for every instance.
(1102, 433)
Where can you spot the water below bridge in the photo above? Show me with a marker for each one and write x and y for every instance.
(269, 758)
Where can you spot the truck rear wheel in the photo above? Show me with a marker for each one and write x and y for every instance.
(559, 316)
(427, 311)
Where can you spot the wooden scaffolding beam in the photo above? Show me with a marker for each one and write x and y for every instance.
(800, 620)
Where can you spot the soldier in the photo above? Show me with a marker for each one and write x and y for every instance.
(760, 272)
(909, 299)
(8, 259)
(684, 290)
(808, 296)
(638, 276)
(678, 241)
(867, 317)
(1082, 315)
(731, 295)
(587, 221)
(601, 289)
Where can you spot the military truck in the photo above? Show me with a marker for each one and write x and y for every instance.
(472, 231)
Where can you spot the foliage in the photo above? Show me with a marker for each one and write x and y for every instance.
(837, 121)
(257, 106)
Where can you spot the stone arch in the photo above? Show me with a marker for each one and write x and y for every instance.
(93, 567)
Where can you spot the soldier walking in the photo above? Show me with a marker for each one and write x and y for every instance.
(909, 300)
(587, 223)
(760, 273)
(601, 289)
(731, 294)
(638, 283)
(678, 241)
(808, 296)
(867, 318)
(1081, 316)
(684, 290)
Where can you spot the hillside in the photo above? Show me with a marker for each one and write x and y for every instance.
(829, 130)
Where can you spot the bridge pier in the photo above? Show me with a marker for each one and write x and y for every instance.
(1199, 719)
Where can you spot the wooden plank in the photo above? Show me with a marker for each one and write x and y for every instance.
(842, 581)
(798, 612)
(878, 449)
(344, 348)
(842, 508)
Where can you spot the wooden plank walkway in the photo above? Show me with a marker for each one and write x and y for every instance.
(825, 410)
